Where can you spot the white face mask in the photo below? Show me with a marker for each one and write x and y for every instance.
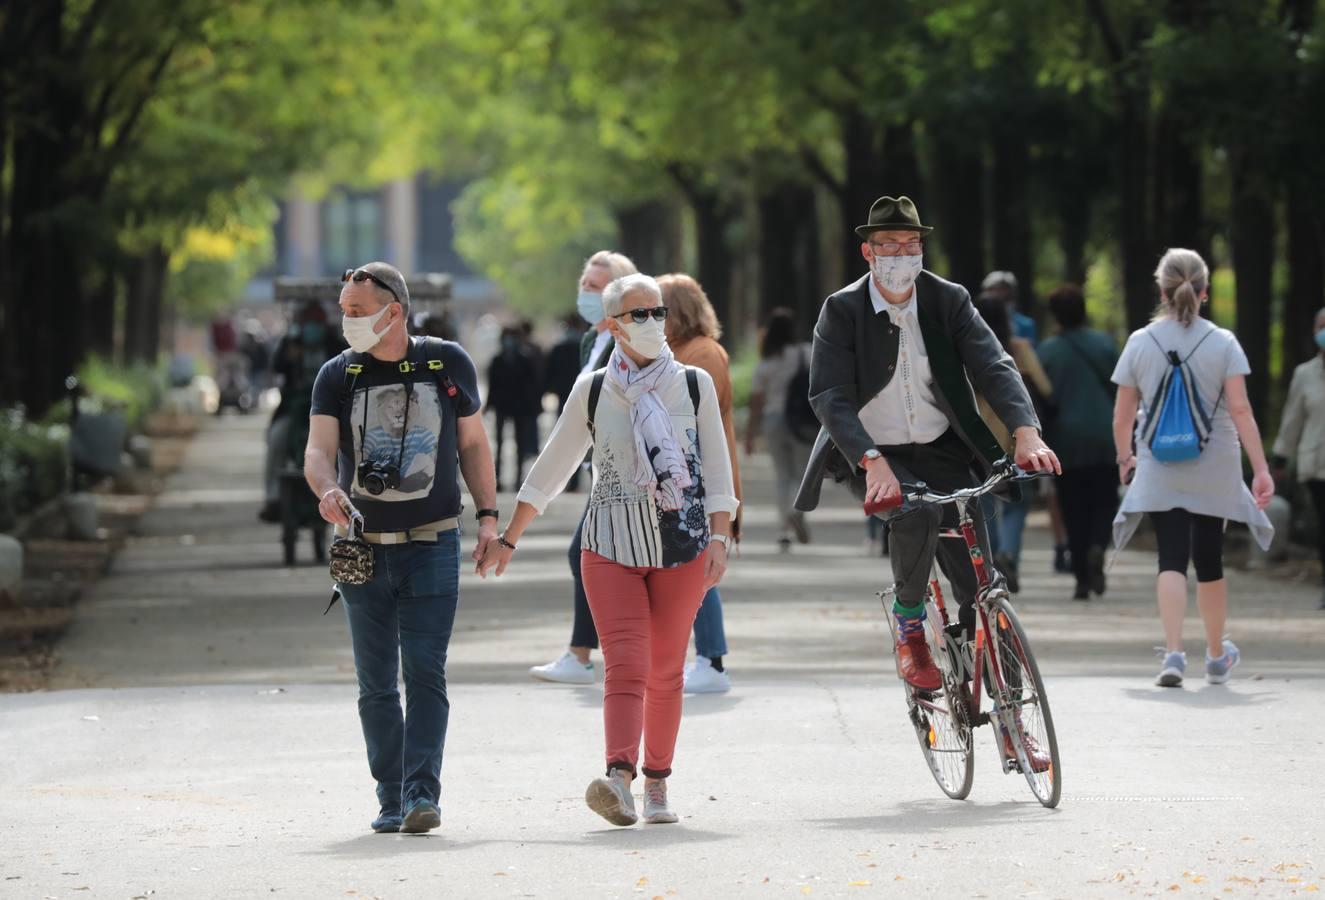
(646, 338)
(359, 332)
(897, 273)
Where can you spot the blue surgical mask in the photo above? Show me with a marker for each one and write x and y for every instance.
(590, 307)
(1320, 339)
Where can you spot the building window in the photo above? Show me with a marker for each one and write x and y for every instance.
(351, 230)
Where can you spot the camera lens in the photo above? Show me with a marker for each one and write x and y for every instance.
(373, 483)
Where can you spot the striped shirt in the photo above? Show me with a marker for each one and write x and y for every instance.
(623, 523)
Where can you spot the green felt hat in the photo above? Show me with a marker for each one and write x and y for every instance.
(892, 214)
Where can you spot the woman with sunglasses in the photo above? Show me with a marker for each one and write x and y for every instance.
(655, 538)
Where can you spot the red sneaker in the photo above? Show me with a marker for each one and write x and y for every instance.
(917, 665)
(1039, 759)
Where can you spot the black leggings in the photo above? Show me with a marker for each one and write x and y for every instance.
(1184, 536)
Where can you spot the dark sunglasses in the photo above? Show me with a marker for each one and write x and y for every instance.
(359, 276)
(640, 316)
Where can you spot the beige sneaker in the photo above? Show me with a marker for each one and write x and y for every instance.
(610, 797)
(656, 810)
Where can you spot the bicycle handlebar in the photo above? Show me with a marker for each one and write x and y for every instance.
(1005, 470)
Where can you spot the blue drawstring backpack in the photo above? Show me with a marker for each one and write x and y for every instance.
(1177, 427)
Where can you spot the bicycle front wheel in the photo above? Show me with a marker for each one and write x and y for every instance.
(1023, 707)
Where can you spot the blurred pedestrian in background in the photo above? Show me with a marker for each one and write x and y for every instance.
(1189, 502)
(780, 412)
(655, 539)
(515, 397)
(1079, 362)
(1302, 433)
(1003, 288)
(1009, 516)
(574, 666)
(692, 333)
(306, 345)
(563, 363)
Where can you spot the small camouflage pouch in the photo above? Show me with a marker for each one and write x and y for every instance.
(352, 556)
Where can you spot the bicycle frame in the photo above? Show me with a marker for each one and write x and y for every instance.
(984, 650)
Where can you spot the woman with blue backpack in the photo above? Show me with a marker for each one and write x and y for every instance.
(1180, 422)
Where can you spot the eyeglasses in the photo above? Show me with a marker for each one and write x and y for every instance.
(892, 248)
(640, 316)
(359, 276)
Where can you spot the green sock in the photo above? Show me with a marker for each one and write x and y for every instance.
(908, 612)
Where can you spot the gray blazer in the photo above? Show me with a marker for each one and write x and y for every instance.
(855, 355)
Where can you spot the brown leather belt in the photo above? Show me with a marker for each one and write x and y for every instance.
(428, 532)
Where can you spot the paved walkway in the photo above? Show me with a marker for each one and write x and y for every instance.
(203, 738)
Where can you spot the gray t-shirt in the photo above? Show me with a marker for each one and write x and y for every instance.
(773, 375)
(1213, 355)
(1211, 484)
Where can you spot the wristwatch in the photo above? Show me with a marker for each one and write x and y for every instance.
(870, 454)
(722, 539)
(487, 514)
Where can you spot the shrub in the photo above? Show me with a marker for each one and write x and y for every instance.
(34, 464)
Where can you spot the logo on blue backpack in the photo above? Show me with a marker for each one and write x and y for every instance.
(1177, 426)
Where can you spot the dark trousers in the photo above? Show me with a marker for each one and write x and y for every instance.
(913, 530)
(1317, 489)
(405, 616)
(526, 443)
(583, 631)
(1185, 537)
(1088, 498)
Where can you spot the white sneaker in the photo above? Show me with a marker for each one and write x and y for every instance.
(610, 797)
(701, 678)
(656, 810)
(564, 670)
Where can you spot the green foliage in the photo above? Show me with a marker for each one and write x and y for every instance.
(743, 360)
(133, 390)
(34, 464)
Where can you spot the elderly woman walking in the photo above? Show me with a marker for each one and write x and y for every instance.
(1189, 501)
(1302, 432)
(655, 537)
(692, 333)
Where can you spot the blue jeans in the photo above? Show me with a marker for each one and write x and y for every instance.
(1009, 524)
(710, 636)
(405, 615)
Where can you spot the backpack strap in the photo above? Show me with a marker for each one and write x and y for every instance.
(595, 390)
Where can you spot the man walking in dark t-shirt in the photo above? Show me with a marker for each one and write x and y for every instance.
(395, 420)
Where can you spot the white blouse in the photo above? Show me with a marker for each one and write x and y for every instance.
(623, 523)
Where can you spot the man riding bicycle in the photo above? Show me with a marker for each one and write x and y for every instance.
(896, 354)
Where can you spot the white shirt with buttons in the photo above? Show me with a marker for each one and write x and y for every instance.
(904, 412)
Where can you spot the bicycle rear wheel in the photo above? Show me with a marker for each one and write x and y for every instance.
(1023, 707)
(939, 718)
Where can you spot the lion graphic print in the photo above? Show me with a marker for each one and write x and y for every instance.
(381, 417)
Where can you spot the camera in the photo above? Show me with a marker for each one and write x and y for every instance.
(376, 477)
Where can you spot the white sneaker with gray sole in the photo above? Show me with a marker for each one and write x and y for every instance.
(1175, 664)
(566, 669)
(656, 810)
(610, 797)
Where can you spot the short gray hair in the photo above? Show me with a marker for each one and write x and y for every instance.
(618, 264)
(615, 293)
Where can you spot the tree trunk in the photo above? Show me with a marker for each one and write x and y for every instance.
(1134, 226)
(143, 305)
(650, 235)
(715, 266)
(1306, 281)
(1011, 215)
(1253, 235)
(789, 263)
(1179, 213)
(861, 187)
(958, 189)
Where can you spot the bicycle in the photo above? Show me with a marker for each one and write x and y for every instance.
(944, 720)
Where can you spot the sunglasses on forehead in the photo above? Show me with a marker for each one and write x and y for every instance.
(359, 276)
(640, 316)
